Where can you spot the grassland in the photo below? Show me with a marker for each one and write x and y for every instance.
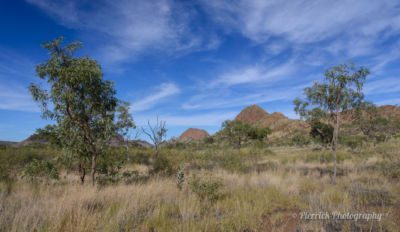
(222, 189)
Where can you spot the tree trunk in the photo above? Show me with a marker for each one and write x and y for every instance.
(82, 172)
(127, 150)
(94, 164)
(335, 144)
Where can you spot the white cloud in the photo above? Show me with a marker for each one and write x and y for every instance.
(219, 101)
(128, 28)
(382, 86)
(303, 20)
(394, 101)
(192, 120)
(253, 75)
(158, 95)
(16, 71)
(353, 26)
(14, 97)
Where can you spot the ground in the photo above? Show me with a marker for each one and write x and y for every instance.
(253, 189)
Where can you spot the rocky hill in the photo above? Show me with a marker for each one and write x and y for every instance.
(8, 143)
(279, 124)
(193, 134)
(33, 139)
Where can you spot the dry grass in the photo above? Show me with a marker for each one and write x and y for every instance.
(264, 201)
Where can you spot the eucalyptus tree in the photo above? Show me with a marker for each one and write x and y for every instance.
(80, 102)
(341, 90)
(124, 124)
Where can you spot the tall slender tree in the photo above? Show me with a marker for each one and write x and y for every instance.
(340, 90)
(79, 100)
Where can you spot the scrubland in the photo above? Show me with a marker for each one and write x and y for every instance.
(205, 187)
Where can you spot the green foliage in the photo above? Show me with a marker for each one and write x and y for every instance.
(14, 159)
(161, 165)
(341, 90)
(373, 125)
(49, 133)
(321, 132)
(239, 133)
(206, 188)
(299, 139)
(209, 140)
(126, 177)
(40, 170)
(352, 141)
(83, 105)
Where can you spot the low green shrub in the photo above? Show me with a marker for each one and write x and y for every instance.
(40, 170)
(161, 165)
(206, 188)
(127, 177)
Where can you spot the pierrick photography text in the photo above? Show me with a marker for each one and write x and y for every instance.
(336, 215)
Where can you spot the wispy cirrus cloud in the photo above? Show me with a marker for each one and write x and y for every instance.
(16, 98)
(302, 21)
(214, 118)
(218, 100)
(158, 95)
(253, 75)
(128, 28)
(379, 86)
(16, 70)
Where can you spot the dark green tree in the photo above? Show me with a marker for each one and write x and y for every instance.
(79, 100)
(341, 90)
(322, 132)
(239, 133)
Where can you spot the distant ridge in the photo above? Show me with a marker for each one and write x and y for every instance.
(279, 124)
(8, 143)
(282, 126)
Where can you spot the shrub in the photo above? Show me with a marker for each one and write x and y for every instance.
(206, 189)
(161, 165)
(40, 170)
(390, 169)
(180, 178)
(140, 157)
(352, 141)
(127, 177)
(209, 140)
(300, 140)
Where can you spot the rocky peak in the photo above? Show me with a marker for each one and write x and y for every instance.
(193, 134)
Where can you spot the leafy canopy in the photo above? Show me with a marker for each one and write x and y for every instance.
(239, 133)
(78, 99)
(340, 90)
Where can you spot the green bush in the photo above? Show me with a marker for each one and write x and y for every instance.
(300, 140)
(161, 165)
(206, 188)
(127, 177)
(40, 170)
(352, 141)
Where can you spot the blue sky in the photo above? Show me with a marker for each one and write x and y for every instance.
(197, 63)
